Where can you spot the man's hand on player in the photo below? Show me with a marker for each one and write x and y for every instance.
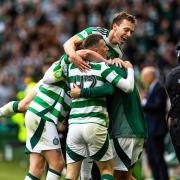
(75, 92)
(127, 64)
(80, 63)
(116, 61)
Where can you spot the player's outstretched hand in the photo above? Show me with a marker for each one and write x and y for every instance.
(75, 92)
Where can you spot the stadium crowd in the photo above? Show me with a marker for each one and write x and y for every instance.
(31, 31)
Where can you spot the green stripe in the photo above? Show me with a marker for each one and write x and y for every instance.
(112, 52)
(58, 99)
(107, 177)
(82, 37)
(54, 172)
(41, 102)
(27, 151)
(102, 151)
(76, 157)
(116, 80)
(87, 123)
(63, 58)
(50, 93)
(58, 66)
(121, 154)
(48, 108)
(37, 135)
(32, 177)
(60, 84)
(102, 31)
(88, 30)
(60, 117)
(92, 114)
(106, 72)
(95, 66)
(73, 66)
(89, 102)
(15, 106)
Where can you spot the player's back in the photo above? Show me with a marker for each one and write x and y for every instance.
(87, 110)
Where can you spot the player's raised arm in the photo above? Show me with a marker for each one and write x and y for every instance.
(70, 49)
(126, 85)
(90, 55)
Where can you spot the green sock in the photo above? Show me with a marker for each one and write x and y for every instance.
(107, 177)
(53, 174)
(9, 109)
(29, 176)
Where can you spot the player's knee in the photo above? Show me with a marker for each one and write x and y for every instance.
(105, 167)
(57, 164)
(37, 169)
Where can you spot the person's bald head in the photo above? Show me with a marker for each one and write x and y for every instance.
(148, 75)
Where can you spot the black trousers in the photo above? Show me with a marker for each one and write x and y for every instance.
(175, 136)
(155, 153)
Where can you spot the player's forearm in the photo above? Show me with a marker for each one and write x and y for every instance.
(94, 56)
(70, 46)
(127, 85)
(101, 91)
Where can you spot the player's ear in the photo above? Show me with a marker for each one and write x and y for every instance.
(115, 27)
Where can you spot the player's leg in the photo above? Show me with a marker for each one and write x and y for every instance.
(73, 170)
(17, 106)
(36, 168)
(9, 109)
(51, 150)
(100, 149)
(126, 152)
(106, 169)
(41, 136)
(76, 150)
(56, 164)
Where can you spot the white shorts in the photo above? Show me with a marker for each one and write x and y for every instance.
(88, 140)
(41, 134)
(126, 152)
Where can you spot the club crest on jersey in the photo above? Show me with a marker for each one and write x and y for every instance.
(55, 141)
(59, 74)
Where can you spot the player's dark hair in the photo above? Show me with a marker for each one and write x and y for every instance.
(92, 40)
(119, 17)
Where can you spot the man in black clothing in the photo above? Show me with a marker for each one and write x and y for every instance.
(154, 106)
(173, 89)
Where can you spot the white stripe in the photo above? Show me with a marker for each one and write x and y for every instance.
(87, 120)
(56, 89)
(89, 110)
(36, 106)
(111, 76)
(46, 98)
(60, 108)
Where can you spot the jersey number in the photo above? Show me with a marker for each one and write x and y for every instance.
(84, 79)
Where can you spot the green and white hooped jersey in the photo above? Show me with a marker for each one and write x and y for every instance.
(52, 101)
(91, 110)
(115, 51)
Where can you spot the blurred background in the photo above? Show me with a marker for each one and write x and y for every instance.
(32, 33)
